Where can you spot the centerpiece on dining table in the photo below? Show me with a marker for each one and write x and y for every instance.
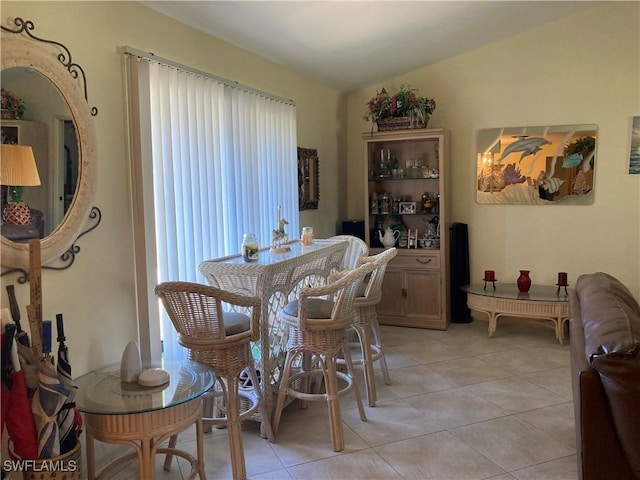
(403, 110)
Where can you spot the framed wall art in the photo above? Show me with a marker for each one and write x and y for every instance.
(540, 165)
(308, 178)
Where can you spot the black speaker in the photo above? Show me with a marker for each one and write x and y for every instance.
(353, 227)
(459, 272)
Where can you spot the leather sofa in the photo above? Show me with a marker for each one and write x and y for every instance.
(605, 360)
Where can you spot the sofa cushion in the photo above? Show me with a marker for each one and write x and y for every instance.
(611, 320)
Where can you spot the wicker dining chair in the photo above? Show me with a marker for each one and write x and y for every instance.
(357, 249)
(317, 322)
(366, 322)
(221, 339)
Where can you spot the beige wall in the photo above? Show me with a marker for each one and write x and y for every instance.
(97, 293)
(583, 69)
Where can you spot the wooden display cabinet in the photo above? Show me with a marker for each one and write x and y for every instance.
(416, 283)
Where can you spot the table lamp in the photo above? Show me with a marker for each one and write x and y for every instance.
(17, 170)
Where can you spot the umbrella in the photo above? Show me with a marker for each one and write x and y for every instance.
(21, 336)
(68, 427)
(48, 400)
(16, 410)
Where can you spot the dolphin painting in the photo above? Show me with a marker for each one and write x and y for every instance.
(528, 146)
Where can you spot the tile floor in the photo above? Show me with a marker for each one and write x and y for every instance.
(461, 406)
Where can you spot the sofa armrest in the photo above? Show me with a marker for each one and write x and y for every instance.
(610, 318)
(600, 454)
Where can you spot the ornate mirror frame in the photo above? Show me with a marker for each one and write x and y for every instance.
(308, 179)
(58, 68)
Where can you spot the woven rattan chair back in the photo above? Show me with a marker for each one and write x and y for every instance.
(196, 312)
(373, 288)
(357, 249)
(341, 290)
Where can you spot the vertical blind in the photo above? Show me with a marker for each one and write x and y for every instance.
(218, 160)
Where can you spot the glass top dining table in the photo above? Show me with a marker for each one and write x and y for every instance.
(277, 279)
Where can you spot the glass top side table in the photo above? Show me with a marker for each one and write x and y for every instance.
(143, 417)
(101, 391)
(541, 302)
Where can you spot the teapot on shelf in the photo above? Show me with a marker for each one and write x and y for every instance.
(389, 238)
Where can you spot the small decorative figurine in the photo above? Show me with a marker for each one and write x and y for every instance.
(279, 237)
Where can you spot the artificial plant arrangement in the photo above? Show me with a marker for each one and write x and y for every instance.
(12, 104)
(405, 103)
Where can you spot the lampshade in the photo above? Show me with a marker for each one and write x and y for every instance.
(18, 166)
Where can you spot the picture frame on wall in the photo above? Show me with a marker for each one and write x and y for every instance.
(536, 165)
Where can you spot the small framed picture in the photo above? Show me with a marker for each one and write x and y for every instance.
(407, 208)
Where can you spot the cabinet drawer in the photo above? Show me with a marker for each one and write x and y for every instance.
(414, 260)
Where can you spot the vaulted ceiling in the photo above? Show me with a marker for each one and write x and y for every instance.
(347, 45)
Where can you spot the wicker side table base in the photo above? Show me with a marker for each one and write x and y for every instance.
(494, 308)
(145, 432)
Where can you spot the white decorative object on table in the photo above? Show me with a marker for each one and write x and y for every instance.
(131, 364)
(153, 377)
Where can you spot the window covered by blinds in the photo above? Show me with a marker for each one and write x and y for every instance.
(211, 161)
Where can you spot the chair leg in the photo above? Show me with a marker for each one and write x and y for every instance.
(367, 361)
(356, 387)
(173, 440)
(333, 404)
(307, 381)
(235, 430)
(282, 391)
(213, 406)
(377, 340)
(208, 399)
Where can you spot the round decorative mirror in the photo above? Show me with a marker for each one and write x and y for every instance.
(29, 57)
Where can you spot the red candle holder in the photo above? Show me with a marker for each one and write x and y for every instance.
(562, 282)
(490, 276)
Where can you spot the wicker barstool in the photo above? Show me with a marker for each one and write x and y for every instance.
(317, 329)
(366, 322)
(220, 339)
